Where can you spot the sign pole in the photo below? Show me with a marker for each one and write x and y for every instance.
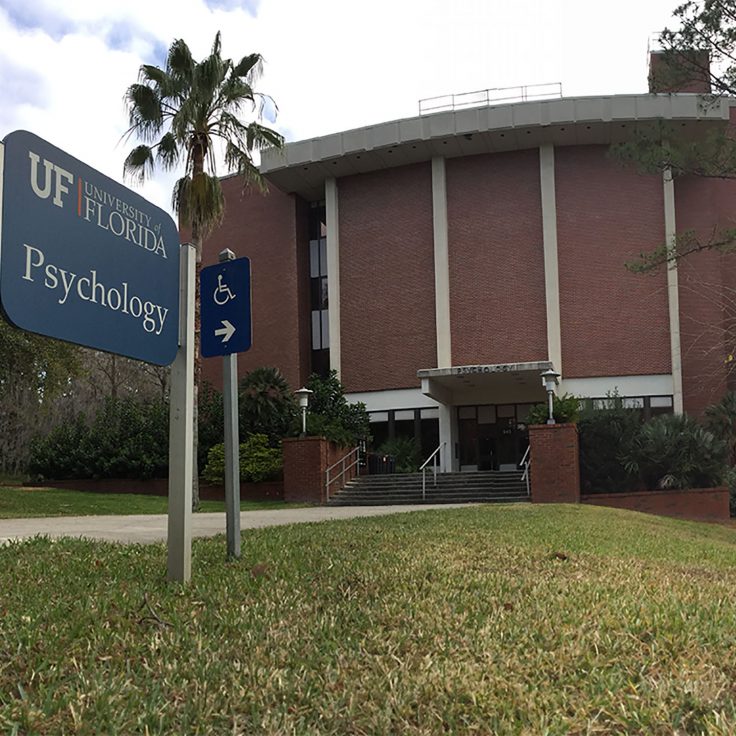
(181, 426)
(232, 442)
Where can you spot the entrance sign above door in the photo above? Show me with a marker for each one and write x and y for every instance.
(83, 258)
(226, 313)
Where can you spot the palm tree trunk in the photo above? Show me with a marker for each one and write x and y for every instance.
(197, 240)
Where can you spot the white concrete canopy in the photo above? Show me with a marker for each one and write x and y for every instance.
(503, 383)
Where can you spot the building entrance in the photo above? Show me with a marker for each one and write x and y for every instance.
(492, 437)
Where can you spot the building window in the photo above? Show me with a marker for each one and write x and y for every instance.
(318, 291)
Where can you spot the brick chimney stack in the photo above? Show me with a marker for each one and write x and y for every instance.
(679, 71)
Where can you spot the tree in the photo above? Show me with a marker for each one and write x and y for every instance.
(331, 415)
(267, 405)
(704, 44)
(182, 113)
(35, 372)
(701, 46)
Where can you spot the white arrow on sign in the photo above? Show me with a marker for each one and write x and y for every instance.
(227, 330)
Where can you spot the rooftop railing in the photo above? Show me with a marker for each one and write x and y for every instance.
(501, 95)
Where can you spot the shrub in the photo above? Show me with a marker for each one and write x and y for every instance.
(210, 420)
(674, 451)
(605, 436)
(565, 409)
(258, 461)
(720, 419)
(126, 439)
(406, 451)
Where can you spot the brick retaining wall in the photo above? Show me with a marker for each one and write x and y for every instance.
(707, 504)
(268, 491)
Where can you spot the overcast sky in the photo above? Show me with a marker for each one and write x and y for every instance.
(330, 64)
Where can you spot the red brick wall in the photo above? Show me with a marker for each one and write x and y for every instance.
(679, 73)
(271, 230)
(700, 280)
(710, 504)
(497, 298)
(305, 464)
(555, 463)
(386, 278)
(614, 322)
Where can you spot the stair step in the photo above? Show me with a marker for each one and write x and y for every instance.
(489, 486)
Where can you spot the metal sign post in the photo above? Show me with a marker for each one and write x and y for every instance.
(232, 442)
(226, 330)
(181, 428)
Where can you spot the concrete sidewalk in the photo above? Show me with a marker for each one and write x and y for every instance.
(152, 528)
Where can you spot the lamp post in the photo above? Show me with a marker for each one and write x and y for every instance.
(303, 395)
(550, 379)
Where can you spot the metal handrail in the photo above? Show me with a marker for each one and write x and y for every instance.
(504, 95)
(526, 462)
(355, 451)
(433, 457)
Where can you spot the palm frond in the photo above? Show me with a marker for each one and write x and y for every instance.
(234, 92)
(144, 111)
(239, 161)
(150, 73)
(217, 44)
(168, 152)
(139, 163)
(180, 63)
(250, 68)
(260, 137)
(209, 75)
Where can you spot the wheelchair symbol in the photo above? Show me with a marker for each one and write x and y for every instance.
(222, 293)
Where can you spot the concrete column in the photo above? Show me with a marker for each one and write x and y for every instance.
(441, 263)
(551, 267)
(333, 271)
(448, 435)
(673, 295)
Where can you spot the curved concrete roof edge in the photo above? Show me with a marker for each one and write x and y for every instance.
(572, 111)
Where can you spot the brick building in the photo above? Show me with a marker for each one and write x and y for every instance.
(440, 263)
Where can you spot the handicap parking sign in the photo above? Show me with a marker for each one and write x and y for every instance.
(225, 298)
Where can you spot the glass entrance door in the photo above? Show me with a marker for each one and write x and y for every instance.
(492, 437)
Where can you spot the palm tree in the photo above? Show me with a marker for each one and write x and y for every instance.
(267, 404)
(181, 113)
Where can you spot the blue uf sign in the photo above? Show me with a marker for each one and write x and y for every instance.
(83, 258)
(226, 312)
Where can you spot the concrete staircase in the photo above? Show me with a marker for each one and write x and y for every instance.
(492, 486)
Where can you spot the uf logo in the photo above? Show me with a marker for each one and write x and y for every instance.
(57, 180)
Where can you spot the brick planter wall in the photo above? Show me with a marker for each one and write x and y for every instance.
(305, 464)
(266, 491)
(705, 504)
(555, 465)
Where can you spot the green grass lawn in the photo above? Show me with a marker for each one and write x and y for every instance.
(18, 502)
(499, 619)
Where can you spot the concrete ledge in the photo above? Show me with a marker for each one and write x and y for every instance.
(697, 504)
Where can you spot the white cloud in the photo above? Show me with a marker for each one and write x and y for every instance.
(331, 64)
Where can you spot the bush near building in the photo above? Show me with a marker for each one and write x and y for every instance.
(619, 452)
(126, 439)
(258, 461)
